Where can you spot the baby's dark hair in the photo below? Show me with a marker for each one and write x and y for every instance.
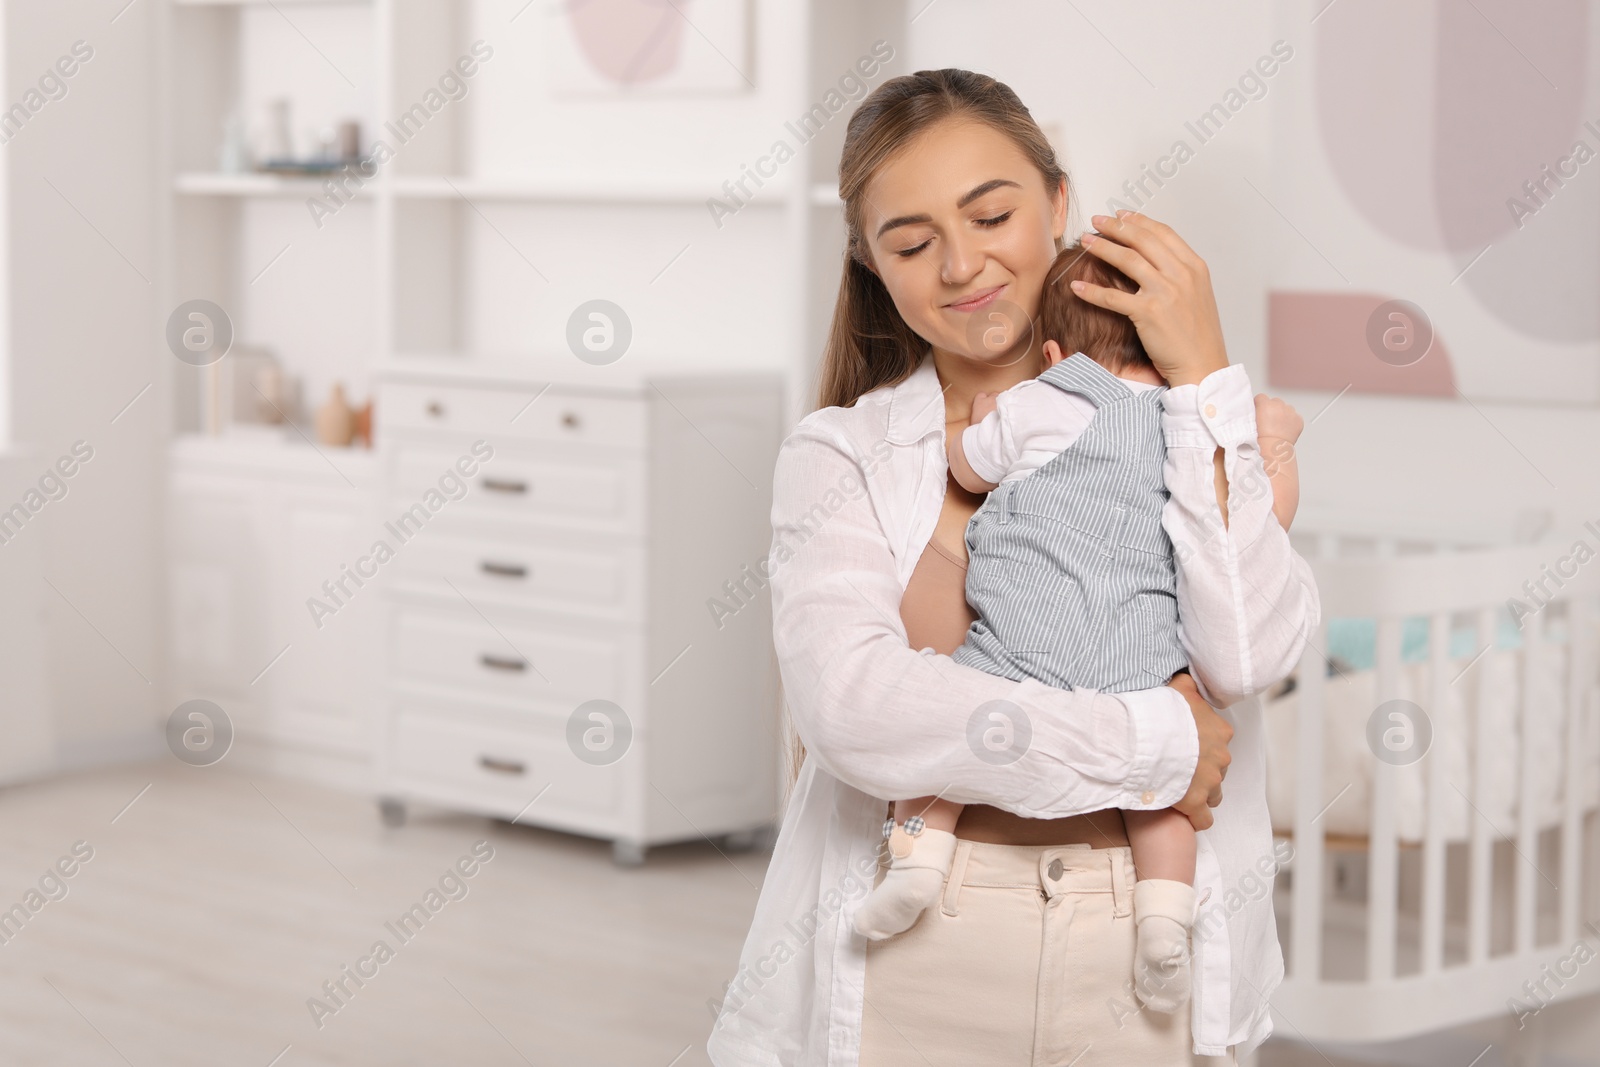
(1076, 325)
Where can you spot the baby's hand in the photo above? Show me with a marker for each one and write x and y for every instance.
(1278, 427)
(982, 405)
(1275, 418)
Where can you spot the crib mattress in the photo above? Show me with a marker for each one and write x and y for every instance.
(1349, 765)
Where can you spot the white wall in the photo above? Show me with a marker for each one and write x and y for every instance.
(82, 345)
(719, 294)
(1121, 93)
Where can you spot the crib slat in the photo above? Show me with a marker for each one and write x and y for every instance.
(1305, 956)
(1527, 814)
(1479, 855)
(1580, 634)
(1433, 845)
(1383, 858)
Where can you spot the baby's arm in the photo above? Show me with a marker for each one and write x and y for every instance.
(983, 405)
(1278, 427)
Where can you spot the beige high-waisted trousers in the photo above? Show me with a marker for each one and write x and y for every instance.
(1027, 961)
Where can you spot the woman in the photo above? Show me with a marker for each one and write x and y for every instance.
(955, 206)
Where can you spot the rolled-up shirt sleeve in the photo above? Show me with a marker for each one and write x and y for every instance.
(989, 445)
(895, 722)
(1247, 602)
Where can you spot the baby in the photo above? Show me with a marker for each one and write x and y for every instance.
(1072, 578)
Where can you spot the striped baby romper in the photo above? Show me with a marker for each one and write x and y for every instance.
(1070, 571)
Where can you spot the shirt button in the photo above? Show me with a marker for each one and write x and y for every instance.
(1211, 411)
(1148, 798)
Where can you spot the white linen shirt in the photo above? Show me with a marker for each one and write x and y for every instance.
(1032, 423)
(857, 492)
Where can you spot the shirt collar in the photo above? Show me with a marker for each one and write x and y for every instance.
(916, 405)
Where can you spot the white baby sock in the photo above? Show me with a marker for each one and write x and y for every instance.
(1164, 913)
(914, 881)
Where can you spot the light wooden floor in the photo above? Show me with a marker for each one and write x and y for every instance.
(218, 901)
(217, 904)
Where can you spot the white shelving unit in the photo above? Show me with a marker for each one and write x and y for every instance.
(414, 239)
(455, 266)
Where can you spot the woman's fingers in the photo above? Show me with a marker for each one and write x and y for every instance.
(1129, 261)
(1205, 789)
(1141, 233)
(1194, 808)
(1123, 303)
(1161, 236)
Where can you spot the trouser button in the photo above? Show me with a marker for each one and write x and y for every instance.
(1055, 868)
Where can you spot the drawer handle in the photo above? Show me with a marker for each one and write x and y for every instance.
(435, 409)
(570, 420)
(500, 485)
(502, 766)
(503, 663)
(504, 570)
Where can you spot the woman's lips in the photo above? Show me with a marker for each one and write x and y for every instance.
(978, 301)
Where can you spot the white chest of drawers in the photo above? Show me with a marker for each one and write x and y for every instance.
(566, 536)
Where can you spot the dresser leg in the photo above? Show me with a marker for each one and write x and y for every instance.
(392, 810)
(627, 853)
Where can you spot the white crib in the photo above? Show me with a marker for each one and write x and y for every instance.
(1424, 896)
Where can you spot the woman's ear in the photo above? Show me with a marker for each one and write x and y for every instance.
(1058, 210)
(1053, 353)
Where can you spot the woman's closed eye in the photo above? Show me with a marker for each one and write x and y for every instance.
(988, 223)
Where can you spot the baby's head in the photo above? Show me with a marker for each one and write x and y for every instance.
(1076, 325)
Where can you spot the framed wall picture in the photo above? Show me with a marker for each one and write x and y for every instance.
(649, 47)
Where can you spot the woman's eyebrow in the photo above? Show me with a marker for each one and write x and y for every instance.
(988, 186)
(977, 191)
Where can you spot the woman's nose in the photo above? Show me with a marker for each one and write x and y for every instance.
(962, 261)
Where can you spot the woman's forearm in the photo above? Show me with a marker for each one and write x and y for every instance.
(1247, 602)
(895, 722)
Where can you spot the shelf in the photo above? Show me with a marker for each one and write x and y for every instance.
(606, 189)
(201, 183)
(532, 190)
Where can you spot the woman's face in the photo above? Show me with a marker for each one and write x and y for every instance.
(961, 230)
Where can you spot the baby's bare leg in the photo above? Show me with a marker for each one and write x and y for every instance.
(937, 813)
(1163, 844)
(918, 866)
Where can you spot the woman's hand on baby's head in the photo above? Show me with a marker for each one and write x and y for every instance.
(982, 405)
(1173, 309)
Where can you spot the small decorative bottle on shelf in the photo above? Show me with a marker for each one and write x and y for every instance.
(335, 421)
